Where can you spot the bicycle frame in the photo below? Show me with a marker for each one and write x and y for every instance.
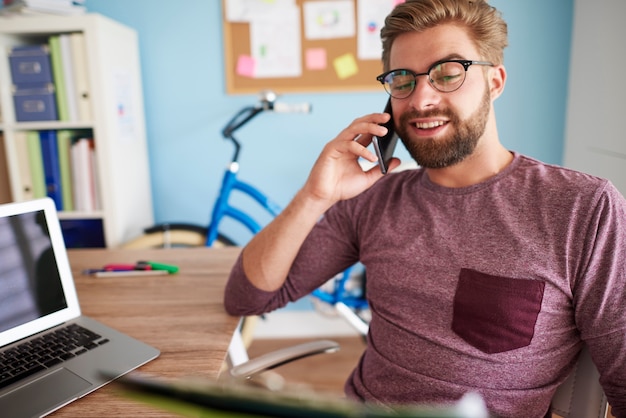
(348, 303)
(223, 208)
(230, 183)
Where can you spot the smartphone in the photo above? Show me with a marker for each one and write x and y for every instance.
(385, 145)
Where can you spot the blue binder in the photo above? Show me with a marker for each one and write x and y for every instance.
(51, 167)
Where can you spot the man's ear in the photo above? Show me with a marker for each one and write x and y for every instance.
(497, 80)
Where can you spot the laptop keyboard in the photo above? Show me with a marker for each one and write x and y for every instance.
(46, 351)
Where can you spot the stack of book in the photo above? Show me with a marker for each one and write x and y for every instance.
(50, 83)
(60, 164)
(43, 7)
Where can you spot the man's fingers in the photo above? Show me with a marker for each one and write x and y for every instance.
(362, 129)
(357, 148)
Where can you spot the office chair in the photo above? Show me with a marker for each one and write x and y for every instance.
(257, 371)
(285, 355)
(581, 395)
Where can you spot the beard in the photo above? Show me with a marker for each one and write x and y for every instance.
(452, 149)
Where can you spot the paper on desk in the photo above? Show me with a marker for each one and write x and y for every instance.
(195, 398)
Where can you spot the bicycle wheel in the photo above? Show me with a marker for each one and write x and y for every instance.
(176, 238)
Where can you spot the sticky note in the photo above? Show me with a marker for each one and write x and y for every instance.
(345, 66)
(245, 66)
(315, 59)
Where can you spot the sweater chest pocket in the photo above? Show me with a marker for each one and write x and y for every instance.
(496, 314)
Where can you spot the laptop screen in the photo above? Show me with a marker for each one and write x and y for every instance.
(30, 284)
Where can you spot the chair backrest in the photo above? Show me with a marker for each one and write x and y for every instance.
(581, 395)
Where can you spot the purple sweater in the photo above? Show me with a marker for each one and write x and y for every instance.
(490, 288)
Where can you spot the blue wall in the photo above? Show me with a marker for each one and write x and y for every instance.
(186, 104)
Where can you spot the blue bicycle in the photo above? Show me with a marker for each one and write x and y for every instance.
(337, 292)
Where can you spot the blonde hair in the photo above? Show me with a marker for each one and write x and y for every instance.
(485, 24)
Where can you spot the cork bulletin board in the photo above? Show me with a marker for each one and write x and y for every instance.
(324, 44)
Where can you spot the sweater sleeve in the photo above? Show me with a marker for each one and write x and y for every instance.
(328, 250)
(241, 297)
(600, 297)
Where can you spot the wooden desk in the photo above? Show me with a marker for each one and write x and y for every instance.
(182, 315)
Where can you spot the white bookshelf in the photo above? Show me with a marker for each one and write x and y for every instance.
(112, 57)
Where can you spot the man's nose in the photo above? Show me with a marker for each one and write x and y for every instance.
(424, 95)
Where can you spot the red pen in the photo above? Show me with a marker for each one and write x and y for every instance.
(118, 267)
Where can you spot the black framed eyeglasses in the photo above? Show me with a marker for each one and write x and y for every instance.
(445, 76)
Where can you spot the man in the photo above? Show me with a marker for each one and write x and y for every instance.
(487, 270)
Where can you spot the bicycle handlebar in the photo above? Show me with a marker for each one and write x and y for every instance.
(292, 108)
(267, 103)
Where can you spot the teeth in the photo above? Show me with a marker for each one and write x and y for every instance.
(429, 125)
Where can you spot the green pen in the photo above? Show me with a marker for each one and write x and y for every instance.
(170, 268)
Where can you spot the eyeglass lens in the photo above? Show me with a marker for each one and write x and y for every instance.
(445, 77)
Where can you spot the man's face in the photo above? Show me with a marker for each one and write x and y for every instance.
(440, 129)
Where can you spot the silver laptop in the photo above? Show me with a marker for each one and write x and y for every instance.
(50, 354)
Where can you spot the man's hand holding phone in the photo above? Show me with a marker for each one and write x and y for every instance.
(385, 145)
(337, 173)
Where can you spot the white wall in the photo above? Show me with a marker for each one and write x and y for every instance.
(596, 115)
